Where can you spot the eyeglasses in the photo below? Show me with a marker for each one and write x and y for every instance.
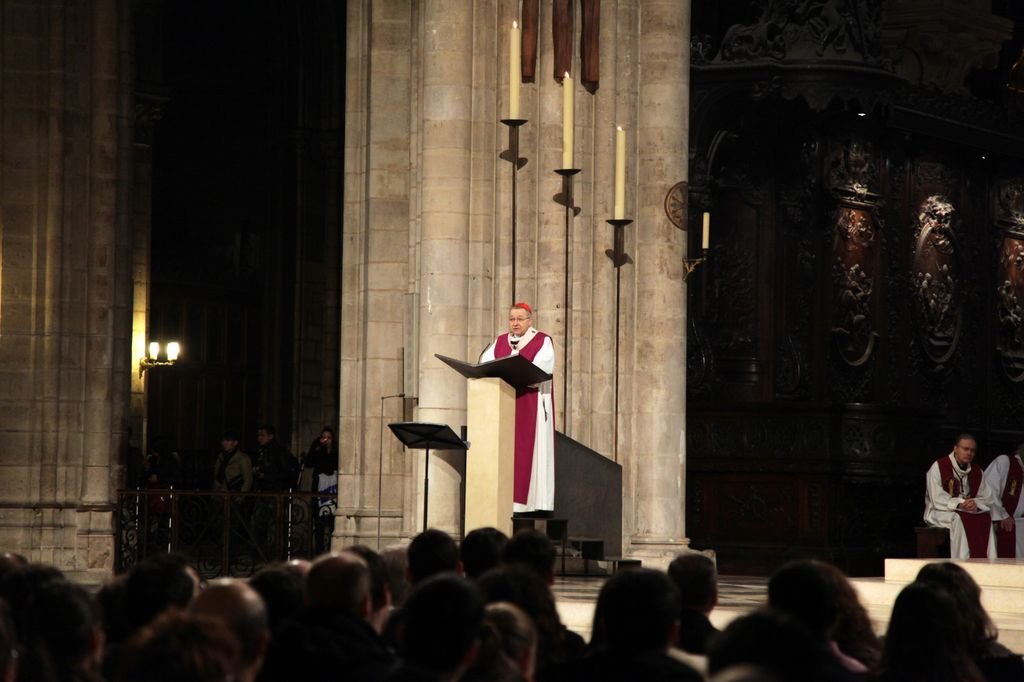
(518, 319)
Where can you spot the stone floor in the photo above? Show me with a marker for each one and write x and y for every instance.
(1001, 581)
(576, 597)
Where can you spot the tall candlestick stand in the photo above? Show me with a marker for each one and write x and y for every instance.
(512, 156)
(619, 257)
(565, 198)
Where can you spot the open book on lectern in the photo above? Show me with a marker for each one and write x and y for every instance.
(514, 370)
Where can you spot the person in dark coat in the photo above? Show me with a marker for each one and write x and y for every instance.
(695, 577)
(331, 634)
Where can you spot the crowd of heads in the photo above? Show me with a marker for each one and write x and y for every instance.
(482, 610)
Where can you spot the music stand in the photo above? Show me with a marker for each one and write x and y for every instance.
(423, 436)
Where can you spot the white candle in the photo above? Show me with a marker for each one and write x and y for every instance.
(568, 106)
(705, 235)
(620, 173)
(515, 69)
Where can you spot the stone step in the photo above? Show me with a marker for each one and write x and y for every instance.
(620, 563)
(591, 549)
(1002, 593)
(986, 572)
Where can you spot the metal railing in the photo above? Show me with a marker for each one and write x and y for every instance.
(222, 533)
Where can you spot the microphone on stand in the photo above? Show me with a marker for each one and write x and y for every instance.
(380, 463)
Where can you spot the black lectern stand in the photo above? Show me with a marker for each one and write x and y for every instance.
(514, 370)
(420, 436)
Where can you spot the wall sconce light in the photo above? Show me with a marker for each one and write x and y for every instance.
(153, 358)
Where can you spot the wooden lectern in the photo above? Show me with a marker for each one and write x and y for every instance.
(491, 426)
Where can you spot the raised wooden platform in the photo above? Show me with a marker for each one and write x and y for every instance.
(1002, 592)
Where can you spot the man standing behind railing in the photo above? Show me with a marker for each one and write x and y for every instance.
(275, 469)
(233, 470)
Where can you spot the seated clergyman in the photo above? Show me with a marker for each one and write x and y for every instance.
(957, 497)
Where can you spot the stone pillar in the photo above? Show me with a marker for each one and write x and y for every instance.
(657, 381)
(64, 281)
(375, 275)
(445, 171)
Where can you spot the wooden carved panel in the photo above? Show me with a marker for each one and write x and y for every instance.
(763, 508)
(853, 282)
(1010, 279)
(1010, 306)
(935, 281)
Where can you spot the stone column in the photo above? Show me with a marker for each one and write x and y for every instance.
(375, 269)
(65, 280)
(656, 462)
(445, 172)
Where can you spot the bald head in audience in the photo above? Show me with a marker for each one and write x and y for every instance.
(241, 609)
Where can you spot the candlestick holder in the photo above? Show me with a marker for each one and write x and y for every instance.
(690, 264)
(512, 153)
(565, 197)
(512, 156)
(617, 253)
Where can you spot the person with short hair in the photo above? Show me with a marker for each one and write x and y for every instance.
(380, 590)
(534, 478)
(773, 643)
(274, 468)
(61, 634)
(431, 552)
(282, 587)
(155, 584)
(396, 563)
(957, 498)
(481, 550)
(695, 577)
(635, 623)
(332, 632)
(533, 549)
(242, 610)
(181, 645)
(440, 629)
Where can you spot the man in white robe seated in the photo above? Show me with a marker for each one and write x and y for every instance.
(1005, 476)
(957, 497)
(534, 488)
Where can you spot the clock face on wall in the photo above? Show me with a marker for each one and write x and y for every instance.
(676, 204)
